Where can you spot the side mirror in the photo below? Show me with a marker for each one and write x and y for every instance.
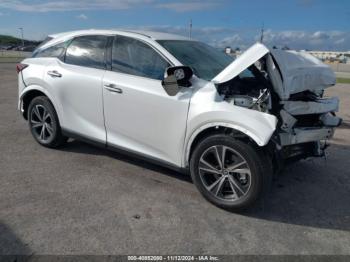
(175, 78)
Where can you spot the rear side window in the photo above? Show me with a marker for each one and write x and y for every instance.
(134, 57)
(47, 39)
(87, 51)
(52, 51)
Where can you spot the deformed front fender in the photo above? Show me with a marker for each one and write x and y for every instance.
(208, 110)
(260, 132)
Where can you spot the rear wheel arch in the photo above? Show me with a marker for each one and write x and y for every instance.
(27, 98)
(29, 94)
(44, 123)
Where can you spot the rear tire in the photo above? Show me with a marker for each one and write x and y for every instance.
(44, 124)
(230, 173)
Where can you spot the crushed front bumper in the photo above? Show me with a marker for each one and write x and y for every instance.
(304, 135)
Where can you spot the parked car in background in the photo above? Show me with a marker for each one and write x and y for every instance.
(28, 48)
(11, 47)
(182, 104)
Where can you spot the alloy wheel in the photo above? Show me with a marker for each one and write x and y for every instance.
(41, 123)
(224, 173)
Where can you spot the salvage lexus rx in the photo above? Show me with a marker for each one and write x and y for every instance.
(232, 123)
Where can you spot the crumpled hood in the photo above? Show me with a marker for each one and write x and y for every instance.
(297, 72)
(290, 71)
(249, 57)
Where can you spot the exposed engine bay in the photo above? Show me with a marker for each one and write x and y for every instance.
(289, 85)
(250, 89)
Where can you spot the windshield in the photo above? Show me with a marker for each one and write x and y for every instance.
(206, 61)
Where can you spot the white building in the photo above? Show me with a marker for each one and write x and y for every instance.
(342, 57)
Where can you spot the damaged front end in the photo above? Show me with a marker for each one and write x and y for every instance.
(289, 85)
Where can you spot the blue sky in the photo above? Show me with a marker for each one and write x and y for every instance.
(299, 24)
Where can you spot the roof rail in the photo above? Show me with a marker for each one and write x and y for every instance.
(135, 32)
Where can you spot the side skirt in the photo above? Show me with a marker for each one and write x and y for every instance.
(123, 151)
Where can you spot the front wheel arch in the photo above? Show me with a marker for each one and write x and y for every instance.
(259, 166)
(217, 128)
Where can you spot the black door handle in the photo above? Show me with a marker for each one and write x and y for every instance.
(113, 88)
(54, 73)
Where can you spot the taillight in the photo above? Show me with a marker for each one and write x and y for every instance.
(20, 67)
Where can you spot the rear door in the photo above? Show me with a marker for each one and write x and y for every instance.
(139, 115)
(77, 85)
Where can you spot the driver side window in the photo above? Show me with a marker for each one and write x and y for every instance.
(134, 57)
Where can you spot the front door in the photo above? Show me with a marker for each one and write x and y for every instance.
(139, 115)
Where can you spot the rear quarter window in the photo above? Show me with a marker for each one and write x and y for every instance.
(47, 39)
(87, 51)
(52, 51)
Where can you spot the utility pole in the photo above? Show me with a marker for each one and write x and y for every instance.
(190, 32)
(262, 33)
(21, 28)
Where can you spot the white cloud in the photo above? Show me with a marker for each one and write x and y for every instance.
(187, 6)
(183, 30)
(82, 17)
(233, 41)
(66, 5)
(243, 38)
(340, 41)
(319, 35)
(322, 40)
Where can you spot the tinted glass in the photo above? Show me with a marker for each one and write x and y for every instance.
(53, 51)
(133, 57)
(88, 51)
(246, 74)
(47, 39)
(206, 61)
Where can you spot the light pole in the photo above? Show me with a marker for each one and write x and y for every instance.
(262, 33)
(21, 28)
(190, 31)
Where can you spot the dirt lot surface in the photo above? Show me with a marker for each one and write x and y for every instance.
(85, 200)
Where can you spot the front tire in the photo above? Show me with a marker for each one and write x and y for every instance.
(230, 173)
(44, 124)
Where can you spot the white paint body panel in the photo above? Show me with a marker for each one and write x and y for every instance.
(298, 71)
(143, 118)
(294, 72)
(208, 109)
(79, 96)
(245, 60)
(320, 106)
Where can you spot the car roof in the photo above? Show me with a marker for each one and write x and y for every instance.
(134, 33)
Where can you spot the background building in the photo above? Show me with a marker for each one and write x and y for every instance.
(332, 56)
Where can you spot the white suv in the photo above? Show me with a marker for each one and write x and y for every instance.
(183, 104)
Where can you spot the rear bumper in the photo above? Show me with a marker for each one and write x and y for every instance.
(21, 87)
